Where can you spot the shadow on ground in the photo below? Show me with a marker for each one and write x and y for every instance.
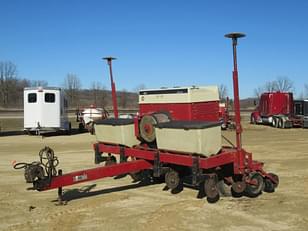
(78, 193)
(11, 133)
(43, 134)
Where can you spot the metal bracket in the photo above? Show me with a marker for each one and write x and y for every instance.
(60, 192)
(156, 166)
(97, 155)
(122, 155)
(195, 170)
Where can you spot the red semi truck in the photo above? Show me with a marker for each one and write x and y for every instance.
(279, 110)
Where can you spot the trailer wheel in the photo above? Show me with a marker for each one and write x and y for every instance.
(275, 122)
(172, 179)
(281, 123)
(211, 190)
(238, 188)
(255, 189)
(268, 186)
(276, 178)
(236, 194)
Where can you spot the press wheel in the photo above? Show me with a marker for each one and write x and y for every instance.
(211, 190)
(269, 185)
(254, 189)
(172, 179)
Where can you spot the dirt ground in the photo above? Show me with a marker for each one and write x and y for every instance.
(110, 204)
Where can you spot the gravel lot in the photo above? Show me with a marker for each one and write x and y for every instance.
(110, 204)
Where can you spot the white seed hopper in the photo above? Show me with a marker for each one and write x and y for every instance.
(116, 131)
(198, 137)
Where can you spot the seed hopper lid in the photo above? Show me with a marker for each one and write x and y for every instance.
(186, 125)
(115, 122)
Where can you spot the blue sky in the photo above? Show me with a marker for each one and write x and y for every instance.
(157, 43)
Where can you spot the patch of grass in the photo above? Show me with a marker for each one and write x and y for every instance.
(17, 124)
(11, 124)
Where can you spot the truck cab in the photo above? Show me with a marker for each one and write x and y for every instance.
(280, 110)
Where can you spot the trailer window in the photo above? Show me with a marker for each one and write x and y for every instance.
(32, 98)
(50, 97)
(298, 109)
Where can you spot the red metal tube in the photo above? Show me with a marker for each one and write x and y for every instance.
(113, 88)
(234, 37)
(240, 156)
(238, 125)
(97, 173)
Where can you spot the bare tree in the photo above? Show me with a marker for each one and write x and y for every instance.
(140, 87)
(103, 97)
(124, 98)
(270, 86)
(95, 89)
(223, 92)
(284, 84)
(8, 83)
(99, 94)
(301, 96)
(38, 83)
(72, 87)
(258, 91)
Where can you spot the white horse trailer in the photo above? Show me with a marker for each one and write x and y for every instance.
(45, 110)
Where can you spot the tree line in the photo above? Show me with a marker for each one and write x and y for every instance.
(11, 90)
(283, 84)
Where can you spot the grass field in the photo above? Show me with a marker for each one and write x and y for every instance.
(17, 124)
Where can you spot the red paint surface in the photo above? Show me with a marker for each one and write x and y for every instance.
(204, 111)
(226, 156)
(275, 103)
(97, 173)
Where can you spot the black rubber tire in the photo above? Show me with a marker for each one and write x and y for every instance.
(172, 179)
(179, 188)
(275, 122)
(223, 189)
(235, 194)
(211, 191)
(268, 186)
(254, 190)
(213, 200)
(283, 125)
(276, 178)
